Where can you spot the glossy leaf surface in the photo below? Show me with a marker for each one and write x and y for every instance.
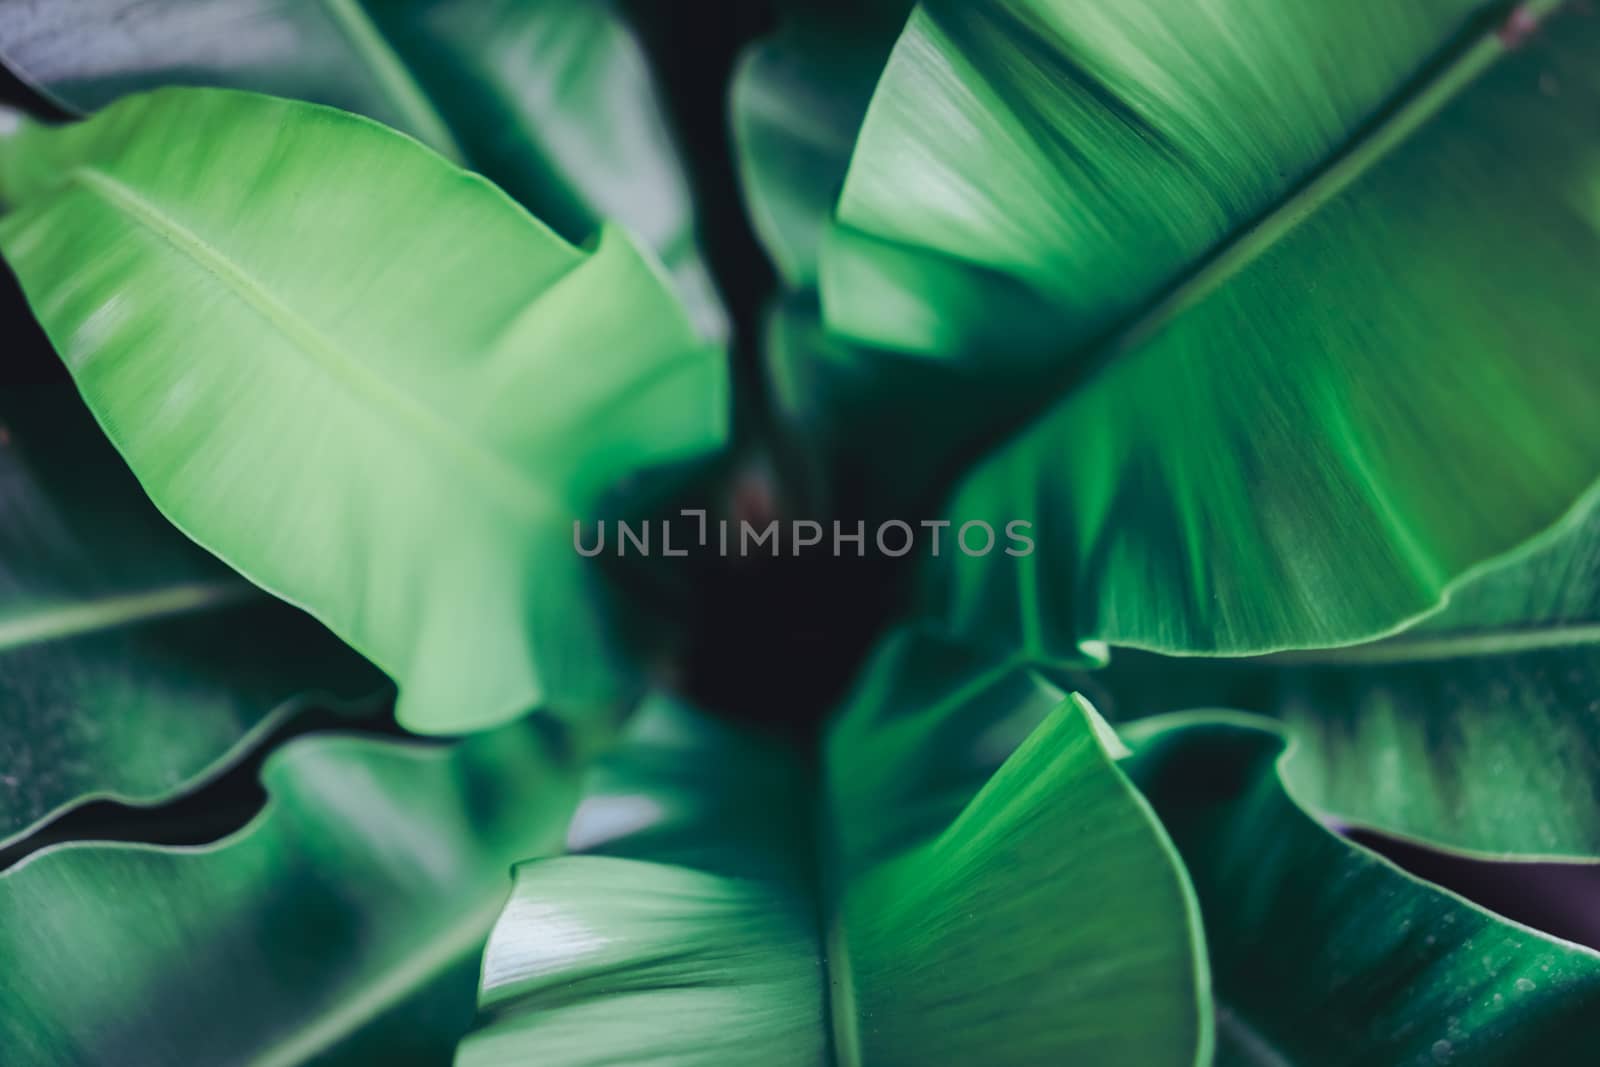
(1385, 384)
(343, 925)
(132, 664)
(1476, 730)
(552, 100)
(1322, 952)
(932, 917)
(392, 425)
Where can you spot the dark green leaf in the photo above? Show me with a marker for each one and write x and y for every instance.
(797, 101)
(689, 790)
(394, 424)
(132, 664)
(1323, 953)
(833, 397)
(343, 925)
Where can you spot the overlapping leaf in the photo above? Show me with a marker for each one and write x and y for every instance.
(1476, 730)
(1324, 953)
(392, 425)
(831, 397)
(343, 925)
(1088, 156)
(1140, 196)
(1387, 382)
(552, 100)
(797, 101)
(959, 910)
(132, 664)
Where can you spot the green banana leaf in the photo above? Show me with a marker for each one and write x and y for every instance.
(796, 101)
(1093, 156)
(1323, 953)
(552, 100)
(1050, 921)
(392, 423)
(132, 664)
(342, 926)
(687, 933)
(1386, 382)
(1031, 911)
(1476, 730)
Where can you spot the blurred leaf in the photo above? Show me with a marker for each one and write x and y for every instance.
(1323, 953)
(552, 100)
(691, 938)
(685, 789)
(1388, 381)
(132, 664)
(797, 101)
(394, 425)
(1035, 913)
(1477, 730)
(343, 925)
(833, 397)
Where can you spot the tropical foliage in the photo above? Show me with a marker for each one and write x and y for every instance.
(1271, 321)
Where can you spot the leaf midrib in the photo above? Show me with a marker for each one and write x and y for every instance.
(505, 482)
(444, 951)
(1427, 95)
(68, 620)
(1247, 1039)
(1466, 644)
(1341, 171)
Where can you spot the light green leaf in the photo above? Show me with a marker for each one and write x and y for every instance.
(550, 99)
(343, 925)
(1385, 383)
(1477, 730)
(364, 378)
(132, 664)
(962, 911)
(1323, 953)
